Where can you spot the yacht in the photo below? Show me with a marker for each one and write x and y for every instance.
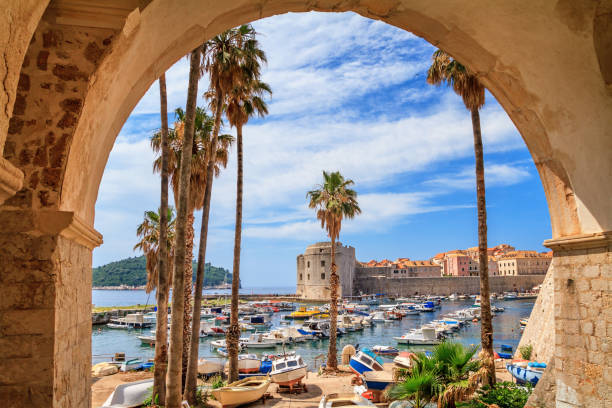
(422, 336)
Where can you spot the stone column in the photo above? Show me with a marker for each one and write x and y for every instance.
(582, 365)
(45, 308)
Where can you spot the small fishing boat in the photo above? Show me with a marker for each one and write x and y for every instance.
(131, 364)
(147, 340)
(378, 380)
(386, 351)
(248, 363)
(524, 375)
(130, 394)
(242, 392)
(344, 400)
(365, 360)
(288, 370)
(404, 359)
(208, 367)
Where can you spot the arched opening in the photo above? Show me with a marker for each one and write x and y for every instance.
(90, 72)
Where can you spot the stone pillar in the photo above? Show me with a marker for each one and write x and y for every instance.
(45, 308)
(582, 365)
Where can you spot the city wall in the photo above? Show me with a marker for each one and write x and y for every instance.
(442, 285)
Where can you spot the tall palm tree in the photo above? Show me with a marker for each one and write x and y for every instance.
(149, 233)
(227, 57)
(334, 201)
(203, 139)
(173, 378)
(163, 279)
(244, 101)
(445, 69)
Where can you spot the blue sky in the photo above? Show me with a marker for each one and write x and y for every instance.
(349, 95)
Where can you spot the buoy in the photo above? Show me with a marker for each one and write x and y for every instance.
(347, 352)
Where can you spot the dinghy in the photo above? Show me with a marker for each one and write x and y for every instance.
(242, 392)
(378, 380)
(524, 375)
(386, 351)
(365, 360)
(344, 400)
(288, 370)
(130, 394)
(404, 359)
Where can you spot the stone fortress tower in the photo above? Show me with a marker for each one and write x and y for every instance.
(314, 269)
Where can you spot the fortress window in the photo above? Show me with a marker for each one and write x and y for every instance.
(301, 277)
(323, 276)
(308, 276)
(322, 263)
(308, 264)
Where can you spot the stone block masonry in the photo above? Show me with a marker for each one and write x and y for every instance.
(443, 285)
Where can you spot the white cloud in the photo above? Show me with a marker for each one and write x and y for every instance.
(495, 175)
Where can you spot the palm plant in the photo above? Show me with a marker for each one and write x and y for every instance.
(244, 101)
(229, 57)
(163, 279)
(149, 233)
(173, 378)
(333, 200)
(445, 69)
(419, 387)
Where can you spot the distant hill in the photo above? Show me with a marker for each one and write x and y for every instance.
(132, 272)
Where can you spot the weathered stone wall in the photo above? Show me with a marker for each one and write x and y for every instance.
(443, 285)
(310, 284)
(540, 331)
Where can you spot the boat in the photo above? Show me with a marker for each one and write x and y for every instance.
(378, 380)
(422, 336)
(130, 321)
(511, 296)
(404, 359)
(131, 364)
(258, 340)
(344, 400)
(242, 392)
(130, 395)
(385, 351)
(248, 363)
(524, 375)
(378, 317)
(523, 322)
(303, 313)
(288, 370)
(365, 360)
(208, 367)
(147, 340)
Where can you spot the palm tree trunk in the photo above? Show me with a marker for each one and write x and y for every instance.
(334, 280)
(161, 329)
(189, 392)
(486, 328)
(234, 327)
(188, 310)
(173, 378)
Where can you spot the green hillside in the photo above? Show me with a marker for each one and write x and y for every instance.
(132, 272)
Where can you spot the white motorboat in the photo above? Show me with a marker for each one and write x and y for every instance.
(344, 400)
(423, 336)
(258, 340)
(130, 395)
(248, 363)
(288, 370)
(130, 364)
(378, 317)
(147, 340)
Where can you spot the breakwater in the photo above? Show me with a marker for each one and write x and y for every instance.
(443, 285)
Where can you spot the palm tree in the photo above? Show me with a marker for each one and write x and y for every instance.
(333, 201)
(163, 287)
(458, 372)
(228, 57)
(173, 378)
(149, 233)
(244, 101)
(203, 140)
(418, 386)
(465, 83)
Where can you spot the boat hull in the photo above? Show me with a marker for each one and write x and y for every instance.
(524, 375)
(289, 377)
(242, 392)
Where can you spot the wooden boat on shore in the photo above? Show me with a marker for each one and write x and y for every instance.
(365, 360)
(208, 367)
(404, 359)
(130, 394)
(524, 375)
(378, 380)
(242, 392)
(288, 370)
(344, 400)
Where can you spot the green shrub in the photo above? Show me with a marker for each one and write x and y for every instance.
(526, 351)
(503, 394)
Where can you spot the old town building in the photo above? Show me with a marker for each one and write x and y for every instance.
(524, 263)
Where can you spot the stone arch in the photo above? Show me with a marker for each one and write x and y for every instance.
(69, 90)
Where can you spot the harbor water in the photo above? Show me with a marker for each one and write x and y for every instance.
(106, 342)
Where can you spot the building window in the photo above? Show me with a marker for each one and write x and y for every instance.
(395, 271)
(308, 264)
(308, 276)
(323, 276)
(322, 263)
(301, 277)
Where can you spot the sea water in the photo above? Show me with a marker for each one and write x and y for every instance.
(506, 330)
